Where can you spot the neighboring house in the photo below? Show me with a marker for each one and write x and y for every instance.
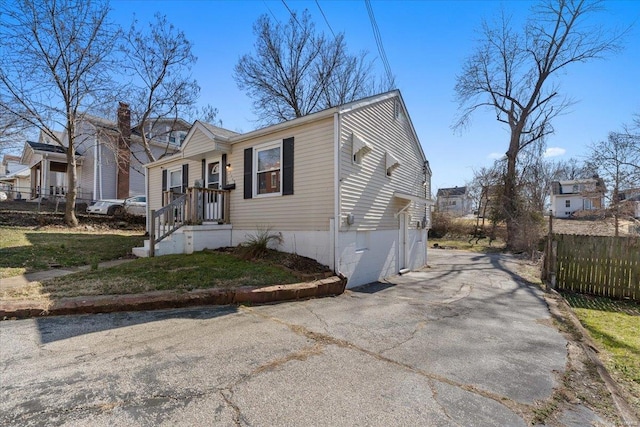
(454, 201)
(630, 198)
(14, 177)
(568, 197)
(109, 158)
(347, 186)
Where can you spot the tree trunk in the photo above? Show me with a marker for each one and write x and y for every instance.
(72, 192)
(509, 199)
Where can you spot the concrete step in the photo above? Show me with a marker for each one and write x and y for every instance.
(174, 244)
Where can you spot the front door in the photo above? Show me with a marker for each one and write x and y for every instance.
(213, 175)
(212, 202)
(402, 242)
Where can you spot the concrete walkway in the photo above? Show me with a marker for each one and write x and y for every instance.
(38, 276)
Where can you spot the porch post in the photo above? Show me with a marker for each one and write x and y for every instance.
(152, 234)
(227, 207)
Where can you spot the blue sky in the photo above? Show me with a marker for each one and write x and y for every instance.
(426, 43)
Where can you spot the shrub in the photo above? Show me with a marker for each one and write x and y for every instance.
(257, 244)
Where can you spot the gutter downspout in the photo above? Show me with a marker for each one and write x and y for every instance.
(95, 168)
(336, 191)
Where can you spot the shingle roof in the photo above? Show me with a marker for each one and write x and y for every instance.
(48, 148)
(216, 130)
(455, 191)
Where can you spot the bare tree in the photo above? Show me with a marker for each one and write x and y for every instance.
(512, 72)
(55, 66)
(158, 58)
(12, 131)
(294, 71)
(616, 162)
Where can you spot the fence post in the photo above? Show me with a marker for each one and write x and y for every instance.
(152, 234)
(552, 264)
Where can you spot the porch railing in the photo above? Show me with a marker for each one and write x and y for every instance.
(209, 205)
(166, 220)
(198, 205)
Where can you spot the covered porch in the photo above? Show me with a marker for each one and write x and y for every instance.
(47, 170)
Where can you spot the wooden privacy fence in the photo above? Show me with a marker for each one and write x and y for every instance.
(599, 265)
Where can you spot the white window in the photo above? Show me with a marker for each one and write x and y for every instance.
(588, 204)
(175, 181)
(567, 203)
(267, 161)
(213, 175)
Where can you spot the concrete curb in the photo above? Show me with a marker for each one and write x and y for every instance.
(170, 299)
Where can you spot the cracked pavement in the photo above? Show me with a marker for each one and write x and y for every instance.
(462, 343)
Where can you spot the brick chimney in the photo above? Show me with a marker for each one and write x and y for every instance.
(124, 150)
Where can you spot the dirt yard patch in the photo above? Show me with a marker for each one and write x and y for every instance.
(595, 227)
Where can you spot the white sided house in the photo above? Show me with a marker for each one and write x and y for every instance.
(571, 196)
(347, 186)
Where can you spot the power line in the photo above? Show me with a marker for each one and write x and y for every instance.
(326, 20)
(378, 38)
(293, 15)
(269, 9)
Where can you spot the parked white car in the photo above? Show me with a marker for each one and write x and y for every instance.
(136, 205)
(107, 207)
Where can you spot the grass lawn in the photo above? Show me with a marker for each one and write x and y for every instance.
(208, 269)
(615, 327)
(25, 250)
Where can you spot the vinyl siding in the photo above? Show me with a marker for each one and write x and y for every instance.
(154, 198)
(311, 205)
(198, 143)
(366, 190)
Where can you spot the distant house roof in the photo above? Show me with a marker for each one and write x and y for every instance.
(455, 191)
(557, 187)
(47, 148)
(10, 158)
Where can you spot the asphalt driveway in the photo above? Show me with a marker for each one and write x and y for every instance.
(464, 342)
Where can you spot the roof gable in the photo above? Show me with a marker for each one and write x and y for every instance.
(450, 192)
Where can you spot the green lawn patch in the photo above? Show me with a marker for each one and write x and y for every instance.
(25, 250)
(200, 270)
(615, 327)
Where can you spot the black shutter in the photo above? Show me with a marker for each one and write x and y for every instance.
(287, 166)
(223, 171)
(185, 178)
(248, 172)
(164, 185)
(203, 173)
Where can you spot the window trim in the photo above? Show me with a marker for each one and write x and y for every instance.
(254, 173)
(170, 171)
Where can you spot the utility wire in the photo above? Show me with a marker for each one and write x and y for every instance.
(293, 15)
(269, 9)
(378, 38)
(325, 19)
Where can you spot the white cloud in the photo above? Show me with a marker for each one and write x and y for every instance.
(554, 152)
(495, 156)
